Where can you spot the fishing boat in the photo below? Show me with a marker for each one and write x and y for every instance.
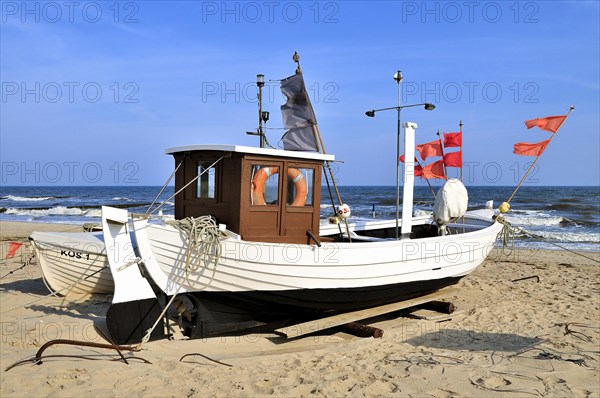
(262, 258)
(247, 244)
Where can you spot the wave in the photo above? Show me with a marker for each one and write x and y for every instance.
(121, 198)
(537, 220)
(570, 236)
(421, 213)
(27, 198)
(540, 218)
(55, 211)
(81, 210)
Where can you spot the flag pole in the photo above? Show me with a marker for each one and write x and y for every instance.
(442, 149)
(327, 164)
(538, 156)
(326, 178)
(426, 179)
(460, 124)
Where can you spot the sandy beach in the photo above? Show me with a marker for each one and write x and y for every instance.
(19, 231)
(538, 336)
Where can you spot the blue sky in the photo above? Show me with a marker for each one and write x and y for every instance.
(93, 92)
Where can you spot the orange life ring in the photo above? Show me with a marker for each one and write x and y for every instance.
(263, 174)
(300, 184)
(258, 184)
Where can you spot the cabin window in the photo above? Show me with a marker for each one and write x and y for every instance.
(206, 181)
(300, 186)
(265, 185)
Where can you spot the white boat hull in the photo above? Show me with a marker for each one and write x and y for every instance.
(73, 263)
(284, 268)
(76, 263)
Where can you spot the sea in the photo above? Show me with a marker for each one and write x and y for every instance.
(560, 216)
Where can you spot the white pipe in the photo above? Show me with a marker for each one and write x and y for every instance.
(409, 178)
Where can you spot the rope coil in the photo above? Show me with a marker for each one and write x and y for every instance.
(203, 242)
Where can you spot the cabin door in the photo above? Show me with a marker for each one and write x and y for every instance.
(283, 201)
(265, 201)
(299, 212)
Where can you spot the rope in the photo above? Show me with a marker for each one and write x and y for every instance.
(163, 188)
(532, 235)
(146, 337)
(508, 234)
(204, 240)
(14, 270)
(186, 185)
(317, 134)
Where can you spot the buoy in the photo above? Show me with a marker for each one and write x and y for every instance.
(504, 207)
(344, 211)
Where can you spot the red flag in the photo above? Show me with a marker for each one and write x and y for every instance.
(452, 140)
(418, 171)
(550, 123)
(12, 249)
(527, 149)
(434, 170)
(433, 148)
(453, 159)
(402, 158)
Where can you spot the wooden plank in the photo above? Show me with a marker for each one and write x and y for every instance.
(439, 306)
(360, 330)
(347, 317)
(434, 315)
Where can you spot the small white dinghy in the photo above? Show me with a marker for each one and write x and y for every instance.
(73, 263)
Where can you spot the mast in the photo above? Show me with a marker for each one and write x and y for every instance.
(260, 82)
(398, 78)
(460, 124)
(263, 116)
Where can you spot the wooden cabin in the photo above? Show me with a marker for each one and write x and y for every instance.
(247, 190)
